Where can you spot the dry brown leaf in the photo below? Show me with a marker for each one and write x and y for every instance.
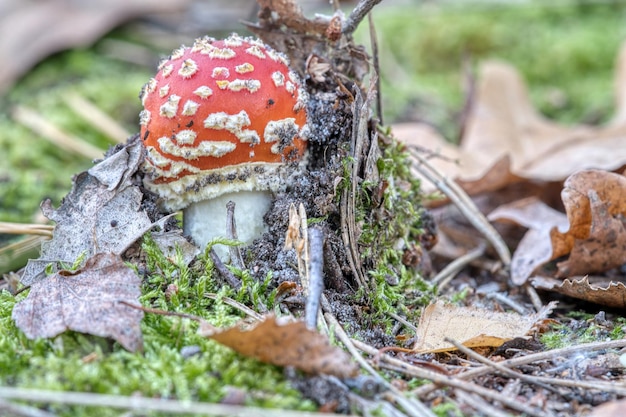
(32, 30)
(610, 294)
(610, 409)
(86, 301)
(592, 232)
(503, 124)
(101, 214)
(535, 248)
(284, 342)
(473, 327)
(596, 240)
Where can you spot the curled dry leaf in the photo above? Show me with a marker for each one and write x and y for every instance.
(473, 327)
(86, 301)
(592, 231)
(596, 209)
(284, 342)
(535, 248)
(507, 140)
(610, 294)
(101, 214)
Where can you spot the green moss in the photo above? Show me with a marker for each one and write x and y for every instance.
(390, 214)
(447, 409)
(161, 370)
(576, 332)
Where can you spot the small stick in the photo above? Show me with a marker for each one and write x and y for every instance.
(544, 382)
(412, 406)
(232, 280)
(496, 366)
(402, 320)
(504, 299)
(26, 229)
(534, 297)
(534, 357)
(446, 380)
(144, 404)
(35, 122)
(316, 277)
(96, 117)
(236, 304)
(453, 268)
(479, 404)
(465, 204)
(357, 15)
(18, 410)
(301, 250)
(374, 44)
(231, 233)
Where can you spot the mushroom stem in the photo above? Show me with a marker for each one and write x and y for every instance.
(205, 220)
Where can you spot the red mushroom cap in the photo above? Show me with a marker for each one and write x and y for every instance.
(218, 117)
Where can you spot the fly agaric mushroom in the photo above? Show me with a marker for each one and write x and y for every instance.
(221, 121)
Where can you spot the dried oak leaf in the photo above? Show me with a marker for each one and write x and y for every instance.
(102, 213)
(535, 248)
(284, 342)
(596, 209)
(610, 294)
(615, 408)
(86, 301)
(507, 135)
(592, 231)
(473, 327)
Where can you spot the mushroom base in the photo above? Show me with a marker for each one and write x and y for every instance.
(206, 220)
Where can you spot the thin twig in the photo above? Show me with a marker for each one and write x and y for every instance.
(402, 320)
(35, 122)
(26, 229)
(316, 277)
(446, 380)
(534, 297)
(534, 357)
(449, 272)
(18, 410)
(96, 117)
(465, 204)
(496, 367)
(504, 299)
(357, 15)
(236, 304)
(545, 382)
(232, 280)
(478, 404)
(146, 404)
(374, 44)
(360, 118)
(303, 253)
(231, 233)
(412, 406)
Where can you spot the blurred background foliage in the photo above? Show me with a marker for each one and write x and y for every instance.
(428, 52)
